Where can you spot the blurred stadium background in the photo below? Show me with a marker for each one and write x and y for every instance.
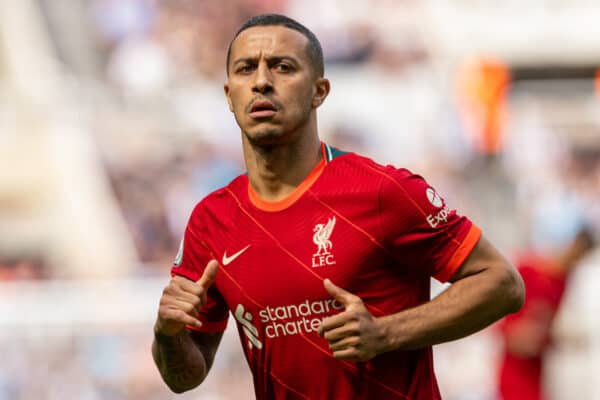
(113, 125)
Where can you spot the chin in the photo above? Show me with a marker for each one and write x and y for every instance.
(267, 137)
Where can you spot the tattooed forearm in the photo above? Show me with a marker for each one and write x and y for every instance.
(180, 362)
(180, 378)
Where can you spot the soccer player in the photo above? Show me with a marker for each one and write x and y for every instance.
(323, 257)
(527, 333)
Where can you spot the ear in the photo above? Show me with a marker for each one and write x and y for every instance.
(228, 96)
(322, 88)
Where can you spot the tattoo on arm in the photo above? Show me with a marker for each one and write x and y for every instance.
(179, 360)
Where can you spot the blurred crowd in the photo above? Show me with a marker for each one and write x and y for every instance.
(165, 139)
(110, 364)
(163, 64)
(167, 58)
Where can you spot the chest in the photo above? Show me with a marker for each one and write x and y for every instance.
(281, 259)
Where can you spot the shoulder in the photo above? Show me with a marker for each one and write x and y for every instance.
(389, 181)
(366, 166)
(403, 192)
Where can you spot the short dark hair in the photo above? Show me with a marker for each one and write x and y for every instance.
(314, 50)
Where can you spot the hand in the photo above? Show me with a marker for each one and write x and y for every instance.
(181, 300)
(355, 333)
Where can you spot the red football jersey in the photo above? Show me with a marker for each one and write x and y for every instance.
(521, 376)
(376, 231)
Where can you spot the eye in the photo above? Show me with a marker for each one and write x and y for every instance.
(283, 67)
(244, 69)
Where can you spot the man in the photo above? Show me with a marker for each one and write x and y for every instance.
(527, 334)
(323, 257)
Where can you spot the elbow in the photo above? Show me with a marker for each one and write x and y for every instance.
(512, 290)
(178, 385)
(179, 389)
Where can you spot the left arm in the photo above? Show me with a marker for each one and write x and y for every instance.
(485, 288)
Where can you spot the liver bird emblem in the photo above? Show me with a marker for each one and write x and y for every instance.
(321, 236)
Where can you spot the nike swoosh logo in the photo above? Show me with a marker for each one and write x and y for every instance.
(226, 260)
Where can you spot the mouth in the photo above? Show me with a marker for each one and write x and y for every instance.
(262, 109)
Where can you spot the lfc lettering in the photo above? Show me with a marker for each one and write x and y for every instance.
(322, 260)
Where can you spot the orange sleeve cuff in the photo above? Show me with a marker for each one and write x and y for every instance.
(460, 255)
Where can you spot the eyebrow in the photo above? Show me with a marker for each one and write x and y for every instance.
(270, 59)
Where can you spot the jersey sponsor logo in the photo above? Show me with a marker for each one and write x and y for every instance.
(441, 216)
(179, 256)
(434, 220)
(322, 233)
(297, 319)
(227, 260)
(286, 320)
(434, 198)
(251, 332)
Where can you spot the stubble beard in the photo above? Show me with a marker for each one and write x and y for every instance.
(270, 136)
(266, 137)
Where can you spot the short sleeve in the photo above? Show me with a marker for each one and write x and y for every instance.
(420, 229)
(191, 259)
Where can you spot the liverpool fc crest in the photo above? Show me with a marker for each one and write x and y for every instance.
(322, 233)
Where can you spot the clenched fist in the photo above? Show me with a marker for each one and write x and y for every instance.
(181, 300)
(354, 334)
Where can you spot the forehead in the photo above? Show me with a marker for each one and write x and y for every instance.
(278, 40)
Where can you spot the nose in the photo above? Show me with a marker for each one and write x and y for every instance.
(263, 82)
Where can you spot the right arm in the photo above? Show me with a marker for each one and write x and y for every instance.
(184, 357)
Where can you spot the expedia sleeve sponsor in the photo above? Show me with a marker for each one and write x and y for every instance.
(441, 217)
(418, 228)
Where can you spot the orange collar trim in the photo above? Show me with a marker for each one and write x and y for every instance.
(296, 193)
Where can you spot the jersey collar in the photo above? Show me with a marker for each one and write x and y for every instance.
(290, 199)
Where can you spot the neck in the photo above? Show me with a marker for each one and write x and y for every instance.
(274, 171)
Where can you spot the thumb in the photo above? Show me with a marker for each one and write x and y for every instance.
(209, 274)
(339, 294)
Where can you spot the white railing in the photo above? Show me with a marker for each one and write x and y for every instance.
(64, 303)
